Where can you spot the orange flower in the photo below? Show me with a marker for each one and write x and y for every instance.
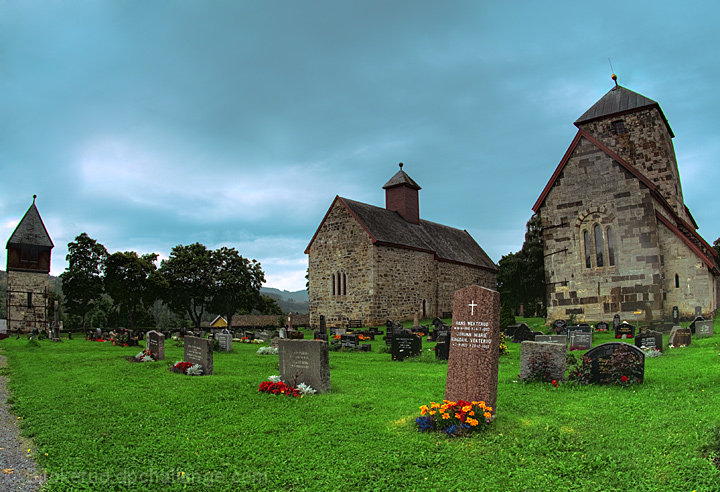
(432, 412)
(467, 408)
(471, 413)
(487, 415)
(445, 416)
(458, 416)
(472, 422)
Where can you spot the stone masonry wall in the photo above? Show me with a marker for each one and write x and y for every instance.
(696, 285)
(341, 246)
(646, 145)
(452, 277)
(20, 315)
(593, 189)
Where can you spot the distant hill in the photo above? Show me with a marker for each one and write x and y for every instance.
(296, 302)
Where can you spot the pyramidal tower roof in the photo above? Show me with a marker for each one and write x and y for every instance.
(401, 178)
(31, 231)
(619, 100)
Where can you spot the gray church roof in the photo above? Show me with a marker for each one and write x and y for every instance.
(619, 100)
(30, 231)
(401, 178)
(448, 243)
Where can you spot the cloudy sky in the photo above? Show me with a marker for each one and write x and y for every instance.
(148, 124)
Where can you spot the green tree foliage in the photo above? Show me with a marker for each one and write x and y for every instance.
(130, 281)
(521, 278)
(236, 283)
(269, 305)
(82, 282)
(506, 316)
(188, 280)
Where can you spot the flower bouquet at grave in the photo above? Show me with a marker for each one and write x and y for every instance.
(502, 347)
(275, 386)
(144, 356)
(184, 367)
(651, 351)
(454, 418)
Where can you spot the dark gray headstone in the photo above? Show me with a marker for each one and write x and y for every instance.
(649, 339)
(405, 344)
(616, 321)
(585, 328)
(155, 343)
(580, 340)
(675, 315)
(323, 326)
(350, 341)
(559, 326)
(199, 351)
(705, 328)
(305, 361)
(698, 310)
(521, 333)
(535, 356)
(601, 326)
(442, 349)
(624, 329)
(600, 357)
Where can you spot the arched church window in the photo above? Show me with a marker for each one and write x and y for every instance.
(586, 242)
(599, 245)
(344, 285)
(677, 281)
(611, 247)
(333, 283)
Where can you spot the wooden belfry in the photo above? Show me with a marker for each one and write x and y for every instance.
(28, 268)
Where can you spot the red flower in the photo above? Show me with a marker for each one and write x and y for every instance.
(554, 383)
(624, 379)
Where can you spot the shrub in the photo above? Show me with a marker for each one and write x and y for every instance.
(506, 316)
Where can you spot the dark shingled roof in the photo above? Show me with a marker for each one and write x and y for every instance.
(619, 100)
(30, 231)
(401, 178)
(388, 227)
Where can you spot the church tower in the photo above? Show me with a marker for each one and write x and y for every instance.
(28, 268)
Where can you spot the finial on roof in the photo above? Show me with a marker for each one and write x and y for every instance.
(614, 77)
(34, 197)
(401, 165)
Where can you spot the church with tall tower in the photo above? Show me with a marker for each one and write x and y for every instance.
(617, 235)
(28, 273)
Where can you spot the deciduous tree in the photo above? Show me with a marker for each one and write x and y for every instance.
(82, 282)
(129, 280)
(236, 283)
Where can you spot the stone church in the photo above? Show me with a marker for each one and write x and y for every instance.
(617, 235)
(372, 264)
(28, 273)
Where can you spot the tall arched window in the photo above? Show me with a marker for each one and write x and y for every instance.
(599, 245)
(677, 281)
(586, 241)
(333, 283)
(344, 289)
(611, 247)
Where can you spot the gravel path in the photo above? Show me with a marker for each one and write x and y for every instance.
(17, 468)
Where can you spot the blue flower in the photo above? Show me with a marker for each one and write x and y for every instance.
(425, 424)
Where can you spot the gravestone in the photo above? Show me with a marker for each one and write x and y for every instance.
(521, 333)
(474, 340)
(561, 339)
(323, 326)
(3, 326)
(698, 311)
(616, 321)
(350, 341)
(680, 336)
(548, 356)
(580, 340)
(281, 333)
(675, 315)
(199, 351)
(442, 349)
(649, 339)
(305, 361)
(405, 344)
(289, 323)
(559, 326)
(625, 330)
(155, 343)
(694, 322)
(391, 328)
(601, 370)
(601, 326)
(224, 341)
(584, 328)
(705, 328)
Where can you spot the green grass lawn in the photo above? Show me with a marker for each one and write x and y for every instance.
(100, 422)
